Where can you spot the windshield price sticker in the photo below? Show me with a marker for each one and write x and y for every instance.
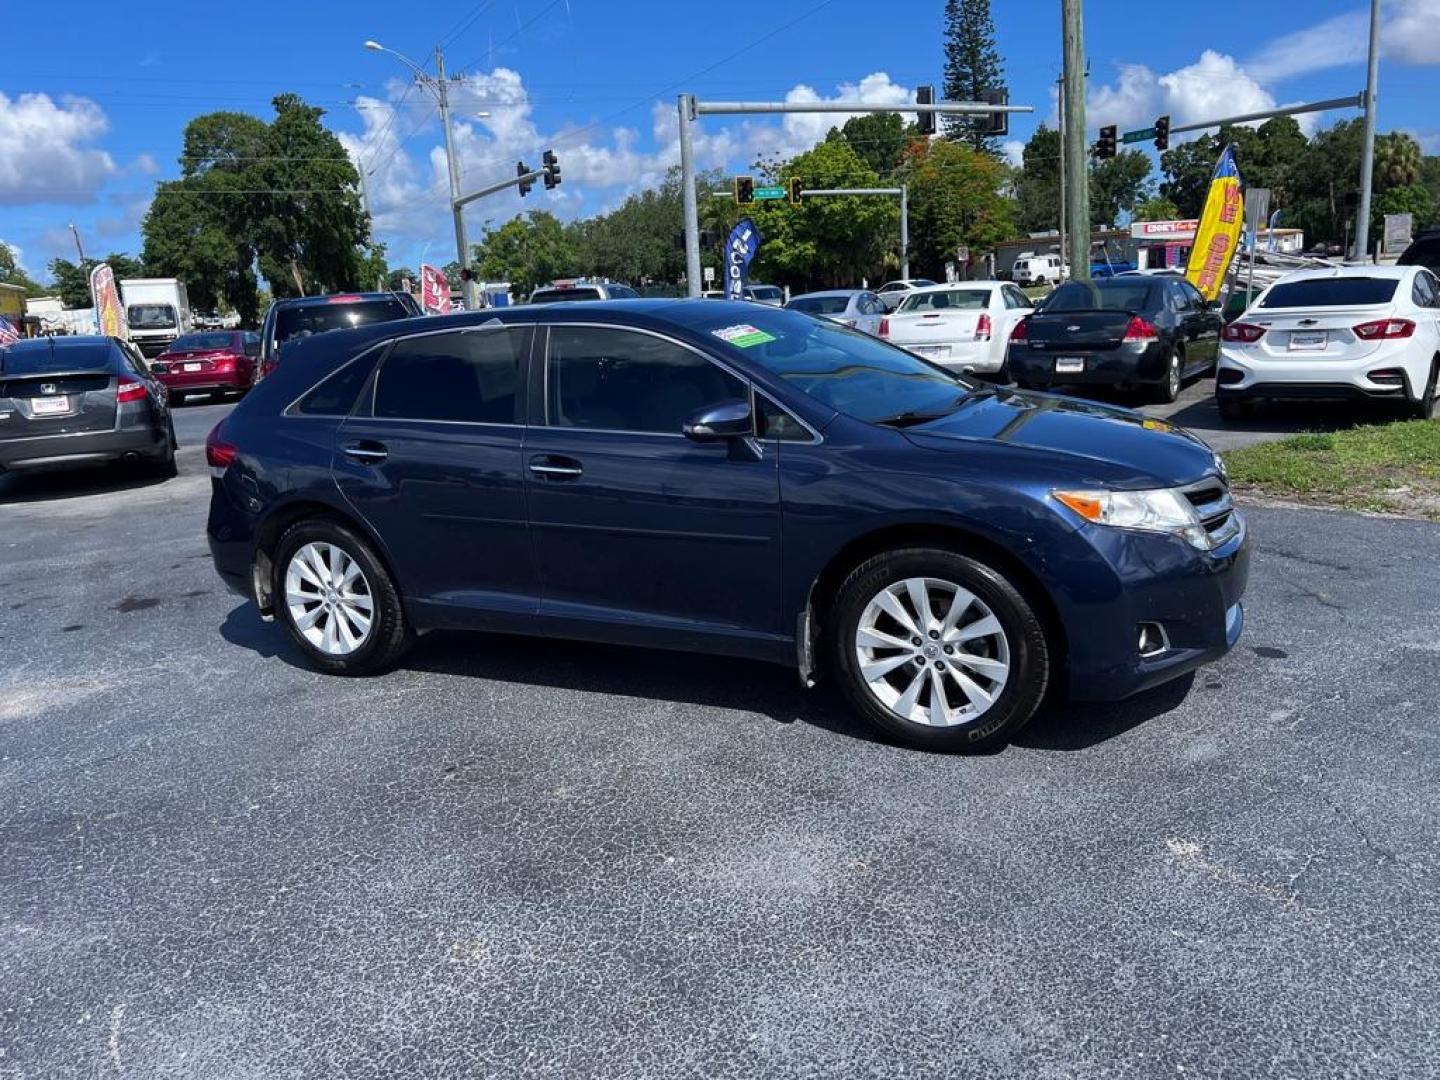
(743, 336)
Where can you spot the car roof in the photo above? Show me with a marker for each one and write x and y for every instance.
(953, 285)
(75, 343)
(1366, 271)
(829, 292)
(334, 298)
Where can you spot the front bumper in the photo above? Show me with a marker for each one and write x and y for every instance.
(1195, 596)
(82, 448)
(1125, 365)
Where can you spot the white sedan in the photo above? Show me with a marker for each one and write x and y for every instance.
(1339, 333)
(964, 327)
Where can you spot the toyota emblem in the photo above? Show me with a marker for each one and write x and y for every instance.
(49, 388)
(1071, 329)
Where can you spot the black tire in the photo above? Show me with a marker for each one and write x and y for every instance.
(1030, 660)
(390, 635)
(1169, 387)
(165, 466)
(176, 398)
(1425, 408)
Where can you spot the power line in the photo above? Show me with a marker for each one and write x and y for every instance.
(518, 31)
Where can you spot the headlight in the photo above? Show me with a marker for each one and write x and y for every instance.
(1161, 510)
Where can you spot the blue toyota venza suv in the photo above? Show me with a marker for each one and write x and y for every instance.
(726, 478)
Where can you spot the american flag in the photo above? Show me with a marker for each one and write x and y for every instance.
(8, 334)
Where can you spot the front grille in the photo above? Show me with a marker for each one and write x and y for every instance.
(1211, 500)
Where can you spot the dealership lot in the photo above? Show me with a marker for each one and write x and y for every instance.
(518, 857)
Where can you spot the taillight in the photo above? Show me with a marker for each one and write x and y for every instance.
(1021, 331)
(1243, 332)
(218, 453)
(885, 327)
(266, 367)
(982, 327)
(1385, 329)
(129, 390)
(1140, 330)
(224, 363)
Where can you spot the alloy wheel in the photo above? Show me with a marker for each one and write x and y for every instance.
(329, 599)
(932, 652)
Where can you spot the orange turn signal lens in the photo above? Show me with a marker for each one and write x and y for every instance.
(1087, 504)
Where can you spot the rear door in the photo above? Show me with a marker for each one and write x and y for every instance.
(434, 467)
(632, 520)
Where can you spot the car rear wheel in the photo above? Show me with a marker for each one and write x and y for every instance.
(337, 601)
(165, 466)
(176, 398)
(1169, 388)
(1425, 408)
(938, 650)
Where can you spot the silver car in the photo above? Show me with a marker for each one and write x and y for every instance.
(858, 309)
(892, 292)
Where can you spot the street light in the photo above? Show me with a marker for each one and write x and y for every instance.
(439, 86)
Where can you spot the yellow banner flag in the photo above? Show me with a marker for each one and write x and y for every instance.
(1218, 236)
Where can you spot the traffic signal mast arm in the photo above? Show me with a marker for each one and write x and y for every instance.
(524, 179)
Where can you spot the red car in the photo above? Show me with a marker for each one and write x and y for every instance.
(212, 362)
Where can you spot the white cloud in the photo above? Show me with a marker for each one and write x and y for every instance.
(1412, 32)
(145, 163)
(1409, 34)
(43, 156)
(17, 253)
(1014, 151)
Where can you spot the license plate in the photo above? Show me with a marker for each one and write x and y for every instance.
(1069, 365)
(192, 367)
(933, 350)
(1309, 341)
(49, 406)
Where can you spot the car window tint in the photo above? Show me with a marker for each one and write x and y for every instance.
(619, 380)
(336, 395)
(952, 299)
(775, 423)
(463, 376)
(1330, 292)
(1109, 294)
(1424, 290)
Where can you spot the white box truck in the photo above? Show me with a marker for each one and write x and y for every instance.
(157, 310)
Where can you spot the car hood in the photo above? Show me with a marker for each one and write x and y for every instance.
(1115, 445)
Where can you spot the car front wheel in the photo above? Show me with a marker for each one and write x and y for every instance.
(938, 650)
(337, 601)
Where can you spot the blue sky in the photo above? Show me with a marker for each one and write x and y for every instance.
(92, 109)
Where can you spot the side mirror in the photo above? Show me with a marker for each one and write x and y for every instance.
(723, 420)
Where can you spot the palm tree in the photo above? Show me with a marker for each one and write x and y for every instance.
(1398, 161)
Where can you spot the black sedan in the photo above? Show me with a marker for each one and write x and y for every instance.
(81, 401)
(1129, 331)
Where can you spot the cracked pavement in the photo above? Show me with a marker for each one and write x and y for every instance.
(527, 858)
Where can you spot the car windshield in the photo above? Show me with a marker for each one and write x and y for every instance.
(150, 317)
(1330, 292)
(820, 305)
(554, 296)
(947, 300)
(292, 323)
(198, 342)
(852, 372)
(766, 292)
(1107, 295)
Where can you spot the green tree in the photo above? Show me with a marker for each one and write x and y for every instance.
(527, 251)
(1398, 161)
(187, 237)
(1155, 208)
(1430, 174)
(972, 67)
(1117, 184)
(374, 270)
(1037, 182)
(397, 277)
(878, 139)
(72, 280)
(1188, 169)
(1327, 184)
(955, 200)
(1414, 199)
(11, 274)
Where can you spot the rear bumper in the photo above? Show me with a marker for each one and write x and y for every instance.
(1241, 377)
(196, 381)
(1126, 365)
(82, 448)
(976, 356)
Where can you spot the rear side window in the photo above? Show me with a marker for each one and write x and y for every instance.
(820, 305)
(1330, 292)
(1424, 291)
(472, 377)
(336, 395)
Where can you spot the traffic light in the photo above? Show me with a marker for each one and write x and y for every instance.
(796, 189)
(525, 185)
(552, 170)
(997, 123)
(744, 189)
(1162, 133)
(1105, 145)
(925, 121)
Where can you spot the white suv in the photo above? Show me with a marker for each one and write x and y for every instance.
(1341, 333)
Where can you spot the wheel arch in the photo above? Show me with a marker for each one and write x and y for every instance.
(274, 525)
(950, 537)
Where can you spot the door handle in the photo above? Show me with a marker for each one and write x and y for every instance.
(365, 451)
(555, 465)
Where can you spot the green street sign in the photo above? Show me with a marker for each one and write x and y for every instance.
(1143, 135)
(770, 193)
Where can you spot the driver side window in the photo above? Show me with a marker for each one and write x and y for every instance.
(609, 379)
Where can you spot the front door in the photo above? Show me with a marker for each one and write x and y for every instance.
(436, 469)
(633, 522)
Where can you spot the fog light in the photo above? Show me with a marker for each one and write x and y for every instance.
(1229, 375)
(1153, 640)
(1388, 376)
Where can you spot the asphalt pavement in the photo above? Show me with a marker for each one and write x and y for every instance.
(530, 858)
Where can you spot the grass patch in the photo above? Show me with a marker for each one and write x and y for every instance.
(1389, 467)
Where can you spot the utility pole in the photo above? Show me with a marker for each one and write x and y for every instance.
(1072, 98)
(462, 245)
(686, 106)
(80, 250)
(1367, 157)
(1060, 82)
